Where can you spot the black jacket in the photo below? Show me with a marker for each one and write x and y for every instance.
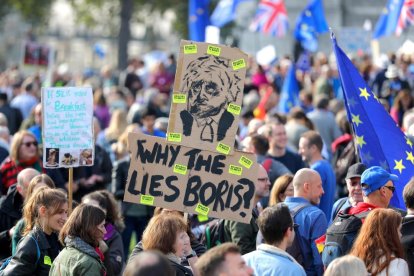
(114, 257)
(407, 231)
(181, 270)
(26, 261)
(10, 212)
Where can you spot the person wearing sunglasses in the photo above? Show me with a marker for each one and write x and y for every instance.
(24, 154)
(353, 185)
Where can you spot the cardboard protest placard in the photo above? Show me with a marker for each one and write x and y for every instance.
(207, 96)
(190, 180)
(67, 127)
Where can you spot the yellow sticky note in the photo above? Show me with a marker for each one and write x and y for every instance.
(244, 161)
(202, 218)
(174, 137)
(234, 109)
(213, 50)
(179, 98)
(47, 260)
(238, 64)
(181, 169)
(235, 170)
(222, 148)
(202, 210)
(190, 49)
(147, 200)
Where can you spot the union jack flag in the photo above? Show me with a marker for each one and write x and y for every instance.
(406, 16)
(271, 18)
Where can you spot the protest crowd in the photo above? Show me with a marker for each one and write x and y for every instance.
(323, 203)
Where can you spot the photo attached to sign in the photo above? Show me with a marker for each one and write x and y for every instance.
(52, 158)
(190, 180)
(207, 97)
(67, 127)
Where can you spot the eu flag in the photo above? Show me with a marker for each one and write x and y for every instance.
(198, 19)
(290, 91)
(224, 13)
(387, 23)
(311, 22)
(379, 140)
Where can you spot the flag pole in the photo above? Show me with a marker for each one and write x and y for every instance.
(70, 185)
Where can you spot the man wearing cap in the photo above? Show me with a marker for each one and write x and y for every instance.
(377, 188)
(353, 184)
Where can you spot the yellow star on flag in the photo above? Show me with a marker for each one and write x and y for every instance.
(364, 93)
(356, 120)
(410, 156)
(360, 140)
(399, 165)
(409, 141)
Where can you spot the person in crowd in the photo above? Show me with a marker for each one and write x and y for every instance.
(296, 125)
(42, 180)
(161, 79)
(346, 265)
(111, 245)
(149, 262)
(129, 78)
(378, 244)
(403, 102)
(168, 234)
(101, 109)
(23, 154)
(14, 115)
(276, 135)
(308, 190)
(223, 260)
(25, 101)
(244, 234)
(324, 121)
(45, 213)
(36, 129)
(282, 188)
(11, 206)
(196, 246)
(277, 228)
(148, 117)
(353, 184)
(81, 235)
(310, 148)
(407, 229)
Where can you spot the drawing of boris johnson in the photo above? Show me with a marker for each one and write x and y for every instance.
(211, 86)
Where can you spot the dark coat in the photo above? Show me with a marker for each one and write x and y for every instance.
(407, 231)
(114, 257)
(10, 212)
(26, 261)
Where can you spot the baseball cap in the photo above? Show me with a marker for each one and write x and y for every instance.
(374, 178)
(355, 170)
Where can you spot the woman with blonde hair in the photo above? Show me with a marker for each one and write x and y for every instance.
(24, 153)
(281, 189)
(379, 246)
(45, 213)
(42, 180)
(346, 265)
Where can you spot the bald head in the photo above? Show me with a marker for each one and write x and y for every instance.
(308, 184)
(23, 179)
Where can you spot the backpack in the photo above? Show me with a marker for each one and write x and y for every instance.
(7, 261)
(213, 234)
(341, 235)
(295, 249)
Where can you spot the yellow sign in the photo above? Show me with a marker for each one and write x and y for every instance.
(190, 49)
(222, 148)
(234, 108)
(47, 260)
(174, 137)
(238, 64)
(235, 170)
(246, 162)
(202, 218)
(181, 169)
(147, 200)
(202, 210)
(213, 50)
(179, 98)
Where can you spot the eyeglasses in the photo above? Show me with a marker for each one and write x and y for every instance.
(391, 188)
(28, 144)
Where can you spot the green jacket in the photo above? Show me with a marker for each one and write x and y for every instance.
(77, 260)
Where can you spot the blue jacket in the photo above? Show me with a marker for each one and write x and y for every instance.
(272, 261)
(329, 186)
(312, 225)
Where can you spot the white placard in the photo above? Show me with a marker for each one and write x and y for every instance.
(67, 128)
